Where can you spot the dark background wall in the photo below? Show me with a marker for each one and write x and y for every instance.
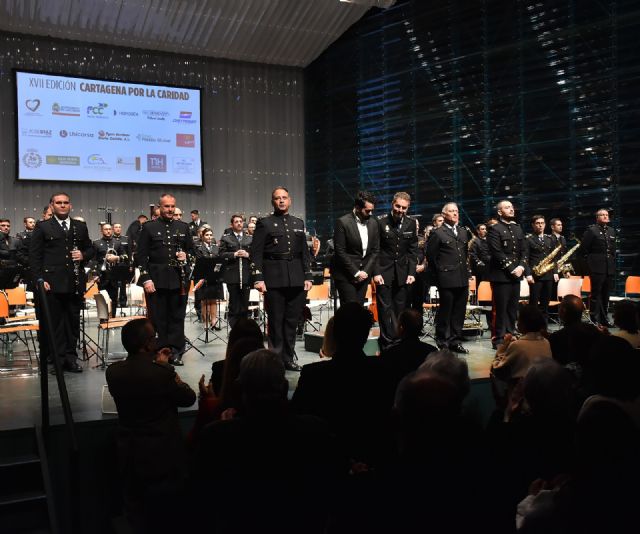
(253, 134)
(477, 101)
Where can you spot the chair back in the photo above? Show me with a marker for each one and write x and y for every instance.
(484, 292)
(17, 296)
(524, 289)
(4, 305)
(103, 305)
(586, 285)
(569, 286)
(91, 291)
(318, 292)
(632, 285)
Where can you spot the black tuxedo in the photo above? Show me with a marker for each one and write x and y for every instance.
(50, 261)
(348, 257)
(237, 285)
(447, 254)
(599, 244)
(541, 290)
(508, 251)
(397, 260)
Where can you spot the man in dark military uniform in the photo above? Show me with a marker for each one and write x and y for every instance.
(59, 246)
(282, 273)
(8, 245)
(163, 246)
(29, 225)
(508, 264)
(234, 249)
(356, 243)
(108, 253)
(396, 266)
(599, 245)
(447, 250)
(539, 246)
(125, 258)
(479, 254)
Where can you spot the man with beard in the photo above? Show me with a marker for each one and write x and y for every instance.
(508, 264)
(396, 266)
(356, 245)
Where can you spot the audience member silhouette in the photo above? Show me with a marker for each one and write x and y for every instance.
(570, 312)
(625, 317)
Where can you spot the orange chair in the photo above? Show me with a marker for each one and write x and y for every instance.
(16, 326)
(586, 285)
(484, 292)
(632, 286)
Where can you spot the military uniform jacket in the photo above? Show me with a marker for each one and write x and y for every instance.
(599, 244)
(124, 244)
(398, 254)
(479, 256)
(447, 256)
(347, 254)
(536, 251)
(156, 252)
(101, 246)
(229, 245)
(9, 249)
(50, 254)
(559, 239)
(280, 253)
(508, 251)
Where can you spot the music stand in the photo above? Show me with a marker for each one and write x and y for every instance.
(209, 269)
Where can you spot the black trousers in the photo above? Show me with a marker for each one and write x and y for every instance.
(352, 292)
(600, 287)
(450, 314)
(391, 302)
(238, 302)
(540, 294)
(284, 308)
(122, 294)
(112, 289)
(505, 308)
(64, 310)
(167, 309)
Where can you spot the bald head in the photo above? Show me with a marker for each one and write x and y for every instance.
(571, 309)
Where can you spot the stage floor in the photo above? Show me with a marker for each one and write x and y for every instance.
(20, 395)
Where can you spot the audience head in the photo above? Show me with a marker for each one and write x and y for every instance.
(571, 309)
(328, 340)
(625, 316)
(615, 367)
(448, 366)
(352, 323)
(245, 328)
(139, 336)
(581, 338)
(262, 380)
(410, 324)
(548, 390)
(530, 319)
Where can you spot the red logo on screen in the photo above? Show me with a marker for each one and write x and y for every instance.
(188, 140)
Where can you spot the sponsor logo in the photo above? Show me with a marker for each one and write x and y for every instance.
(32, 105)
(183, 165)
(66, 111)
(155, 115)
(185, 114)
(185, 118)
(32, 159)
(144, 138)
(35, 132)
(156, 163)
(99, 111)
(74, 133)
(128, 163)
(62, 160)
(117, 112)
(104, 135)
(95, 159)
(186, 140)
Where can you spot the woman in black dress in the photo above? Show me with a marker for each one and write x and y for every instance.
(212, 293)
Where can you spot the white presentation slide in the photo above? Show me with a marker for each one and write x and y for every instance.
(85, 130)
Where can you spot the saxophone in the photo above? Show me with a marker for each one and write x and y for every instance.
(562, 264)
(546, 264)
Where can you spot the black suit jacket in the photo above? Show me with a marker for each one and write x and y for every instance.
(229, 245)
(508, 251)
(599, 244)
(398, 254)
(447, 255)
(537, 251)
(50, 254)
(347, 256)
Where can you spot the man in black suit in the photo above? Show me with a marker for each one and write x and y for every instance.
(479, 254)
(282, 272)
(447, 249)
(508, 264)
(9, 246)
(539, 246)
(599, 245)
(556, 234)
(356, 244)
(163, 246)
(396, 265)
(196, 223)
(108, 253)
(234, 249)
(58, 249)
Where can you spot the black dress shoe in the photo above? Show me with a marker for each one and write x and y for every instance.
(292, 366)
(72, 367)
(458, 348)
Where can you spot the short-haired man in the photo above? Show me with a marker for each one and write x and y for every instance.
(447, 251)
(251, 228)
(539, 246)
(133, 232)
(108, 253)
(8, 245)
(356, 244)
(29, 225)
(235, 250)
(599, 245)
(508, 264)
(58, 249)
(163, 247)
(396, 266)
(479, 254)
(282, 272)
(437, 220)
(196, 223)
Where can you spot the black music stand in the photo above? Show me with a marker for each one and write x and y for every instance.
(209, 269)
(85, 340)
